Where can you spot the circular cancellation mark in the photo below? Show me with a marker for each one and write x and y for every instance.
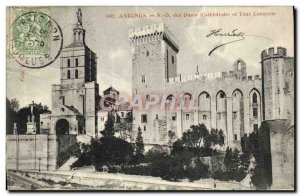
(36, 40)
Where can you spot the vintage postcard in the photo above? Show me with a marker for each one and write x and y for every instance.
(150, 98)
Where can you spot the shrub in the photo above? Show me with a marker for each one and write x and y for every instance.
(236, 166)
(197, 170)
(143, 170)
(111, 151)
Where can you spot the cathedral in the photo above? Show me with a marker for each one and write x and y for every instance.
(75, 99)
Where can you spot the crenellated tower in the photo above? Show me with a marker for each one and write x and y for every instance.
(277, 84)
(154, 62)
(154, 57)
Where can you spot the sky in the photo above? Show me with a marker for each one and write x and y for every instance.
(108, 38)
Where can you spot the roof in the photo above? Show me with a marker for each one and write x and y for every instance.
(74, 110)
(125, 107)
(75, 44)
(111, 89)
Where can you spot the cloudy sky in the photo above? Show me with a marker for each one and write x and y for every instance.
(108, 38)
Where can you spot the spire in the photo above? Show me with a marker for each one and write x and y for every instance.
(197, 71)
(79, 18)
(78, 31)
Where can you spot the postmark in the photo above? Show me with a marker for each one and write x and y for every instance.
(36, 39)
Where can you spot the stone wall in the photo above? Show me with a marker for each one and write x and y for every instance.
(276, 153)
(33, 152)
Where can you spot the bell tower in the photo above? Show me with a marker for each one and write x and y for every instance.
(75, 98)
(78, 31)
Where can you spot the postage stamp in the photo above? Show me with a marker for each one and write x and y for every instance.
(35, 37)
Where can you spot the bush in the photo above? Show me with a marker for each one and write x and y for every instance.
(197, 171)
(236, 166)
(177, 166)
(143, 170)
(111, 151)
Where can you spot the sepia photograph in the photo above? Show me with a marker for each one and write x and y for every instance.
(140, 98)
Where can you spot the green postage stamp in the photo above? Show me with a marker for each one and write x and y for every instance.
(35, 39)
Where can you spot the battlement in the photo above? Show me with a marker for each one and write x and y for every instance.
(271, 53)
(141, 35)
(212, 76)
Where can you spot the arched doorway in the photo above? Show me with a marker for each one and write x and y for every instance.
(62, 127)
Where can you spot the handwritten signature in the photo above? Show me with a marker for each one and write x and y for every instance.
(219, 33)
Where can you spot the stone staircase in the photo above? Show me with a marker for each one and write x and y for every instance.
(67, 165)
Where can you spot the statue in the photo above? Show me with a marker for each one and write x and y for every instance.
(79, 17)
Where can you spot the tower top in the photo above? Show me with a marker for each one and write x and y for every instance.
(271, 53)
(79, 18)
(78, 32)
(161, 31)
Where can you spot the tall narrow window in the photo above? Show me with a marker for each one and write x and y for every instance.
(76, 62)
(76, 73)
(187, 116)
(144, 118)
(235, 136)
(69, 74)
(143, 78)
(63, 100)
(254, 98)
(68, 62)
(255, 113)
(255, 127)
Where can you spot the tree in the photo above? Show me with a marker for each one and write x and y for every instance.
(125, 127)
(196, 137)
(139, 146)
(12, 106)
(236, 166)
(20, 116)
(109, 130)
(171, 136)
(110, 151)
(231, 160)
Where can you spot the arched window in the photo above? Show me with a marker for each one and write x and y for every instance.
(76, 73)
(254, 98)
(170, 102)
(69, 74)
(68, 61)
(76, 62)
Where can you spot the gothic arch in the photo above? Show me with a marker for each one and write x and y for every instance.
(204, 109)
(237, 114)
(221, 111)
(170, 102)
(237, 90)
(202, 98)
(255, 109)
(186, 101)
(219, 93)
(256, 90)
